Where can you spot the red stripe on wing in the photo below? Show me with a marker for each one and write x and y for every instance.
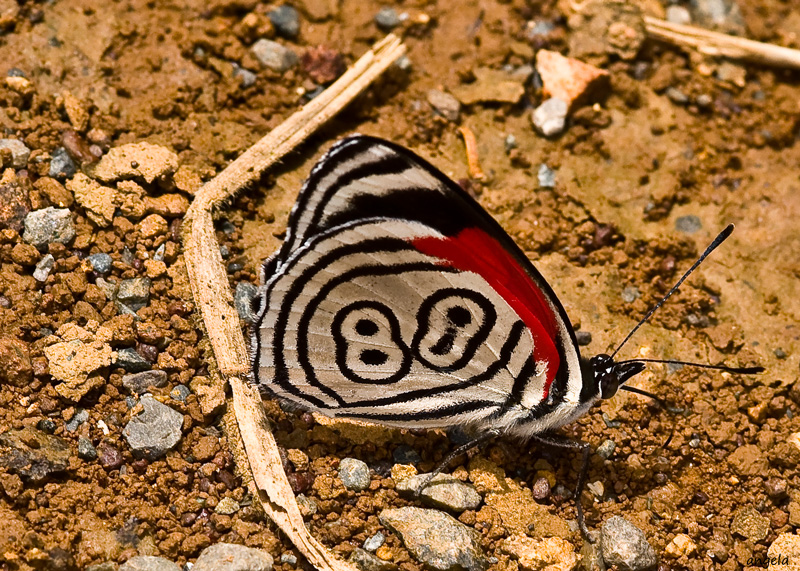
(473, 250)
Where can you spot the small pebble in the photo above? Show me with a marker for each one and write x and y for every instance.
(583, 338)
(286, 21)
(80, 416)
(43, 268)
(246, 77)
(779, 353)
(510, 143)
(550, 117)
(227, 506)
(631, 294)
(678, 15)
(704, 101)
(61, 164)
(274, 56)
(180, 393)
(444, 104)
(374, 542)
(387, 19)
(244, 294)
(48, 225)
(366, 561)
(547, 177)
(677, 96)
(134, 293)
(86, 450)
(132, 361)
(354, 474)
(148, 563)
(606, 449)
(540, 489)
(101, 263)
(139, 383)
(109, 456)
(625, 545)
(19, 152)
(688, 224)
(442, 491)
(232, 557)
(155, 430)
(46, 425)
(289, 558)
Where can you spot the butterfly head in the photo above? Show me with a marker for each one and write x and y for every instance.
(610, 375)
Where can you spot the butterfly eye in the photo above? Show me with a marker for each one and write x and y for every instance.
(369, 348)
(451, 325)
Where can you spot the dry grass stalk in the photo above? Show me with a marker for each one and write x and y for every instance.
(248, 431)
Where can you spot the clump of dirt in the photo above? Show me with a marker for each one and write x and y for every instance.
(678, 147)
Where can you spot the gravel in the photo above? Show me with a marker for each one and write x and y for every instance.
(550, 117)
(180, 393)
(32, 454)
(86, 450)
(43, 268)
(374, 542)
(61, 164)
(606, 449)
(274, 56)
(134, 293)
(154, 431)
(19, 152)
(547, 176)
(47, 225)
(435, 539)
(442, 492)
(366, 561)
(232, 557)
(139, 383)
(387, 19)
(101, 263)
(80, 416)
(286, 21)
(246, 77)
(354, 474)
(688, 224)
(625, 545)
(131, 361)
(444, 104)
(148, 563)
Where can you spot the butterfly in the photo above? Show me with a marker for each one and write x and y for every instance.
(397, 299)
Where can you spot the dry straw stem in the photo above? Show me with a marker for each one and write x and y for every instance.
(716, 44)
(209, 283)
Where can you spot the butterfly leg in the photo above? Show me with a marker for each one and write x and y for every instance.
(482, 439)
(558, 441)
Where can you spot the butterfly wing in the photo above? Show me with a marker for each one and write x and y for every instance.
(395, 297)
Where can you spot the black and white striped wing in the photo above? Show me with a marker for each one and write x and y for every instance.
(385, 303)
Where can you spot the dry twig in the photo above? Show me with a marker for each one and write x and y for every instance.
(715, 44)
(210, 290)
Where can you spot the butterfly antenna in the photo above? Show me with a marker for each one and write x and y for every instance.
(736, 370)
(713, 246)
(661, 403)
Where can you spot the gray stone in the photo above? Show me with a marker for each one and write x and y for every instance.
(724, 15)
(273, 55)
(308, 506)
(242, 297)
(442, 492)
(148, 563)
(48, 225)
(444, 104)
(387, 19)
(134, 293)
(61, 164)
(374, 542)
(546, 176)
(510, 143)
(104, 566)
(688, 224)
(246, 77)
(139, 383)
(288, 558)
(606, 449)
(109, 288)
(80, 416)
(43, 268)
(154, 431)
(354, 474)
(101, 263)
(86, 449)
(366, 561)
(436, 539)
(625, 545)
(286, 21)
(19, 152)
(227, 506)
(232, 557)
(677, 96)
(180, 393)
(550, 117)
(583, 338)
(678, 15)
(131, 361)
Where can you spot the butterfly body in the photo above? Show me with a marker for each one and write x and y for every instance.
(397, 299)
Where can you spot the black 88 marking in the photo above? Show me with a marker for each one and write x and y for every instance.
(451, 326)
